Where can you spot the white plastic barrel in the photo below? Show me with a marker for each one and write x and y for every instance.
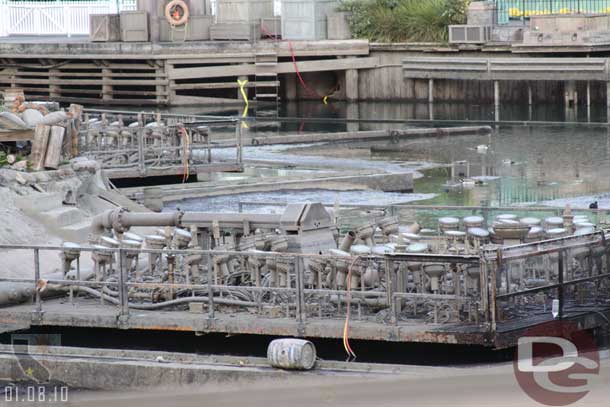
(291, 354)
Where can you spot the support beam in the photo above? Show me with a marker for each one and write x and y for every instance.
(106, 87)
(351, 85)
(290, 84)
(430, 90)
(530, 100)
(608, 100)
(588, 101)
(281, 67)
(352, 111)
(496, 101)
(570, 94)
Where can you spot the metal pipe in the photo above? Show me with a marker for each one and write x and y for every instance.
(12, 293)
(348, 241)
(164, 304)
(121, 221)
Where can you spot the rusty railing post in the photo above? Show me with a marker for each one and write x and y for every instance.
(121, 287)
(210, 280)
(238, 141)
(560, 288)
(38, 311)
(300, 295)
(141, 156)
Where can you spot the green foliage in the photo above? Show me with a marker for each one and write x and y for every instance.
(4, 159)
(404, 20)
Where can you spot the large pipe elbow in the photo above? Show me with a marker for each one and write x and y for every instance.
(348, 241)
(102, 222)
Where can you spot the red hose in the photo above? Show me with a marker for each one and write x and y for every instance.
(310, 91)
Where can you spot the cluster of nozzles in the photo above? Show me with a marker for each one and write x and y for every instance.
(509, 229)
(104, 134)
(355, 246)
(106, 261)
(453, 235)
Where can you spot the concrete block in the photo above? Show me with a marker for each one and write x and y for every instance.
(508, 33)
(78, 232)
(134, 26)
(104, 27)
(63, 216)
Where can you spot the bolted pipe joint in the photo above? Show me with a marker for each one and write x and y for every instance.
(121, 220)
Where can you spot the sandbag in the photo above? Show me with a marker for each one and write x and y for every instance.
(54, 118)
(32, 117)
(12, 121)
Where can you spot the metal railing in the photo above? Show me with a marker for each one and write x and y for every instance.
(55, 17)
(290, 289)
(522, 10)
(131, 144)
(490, 290)
(525, 280)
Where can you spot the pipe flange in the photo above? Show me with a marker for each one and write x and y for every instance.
(118, 221)
(178, 218)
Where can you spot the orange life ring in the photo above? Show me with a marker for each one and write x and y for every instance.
(177, 12)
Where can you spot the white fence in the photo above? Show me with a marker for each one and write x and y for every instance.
(54, 17)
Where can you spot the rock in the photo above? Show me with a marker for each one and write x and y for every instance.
(65, 172)
(20, 179)
(20, 166)
(84, 164)
(42, 176)
(11, 159)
